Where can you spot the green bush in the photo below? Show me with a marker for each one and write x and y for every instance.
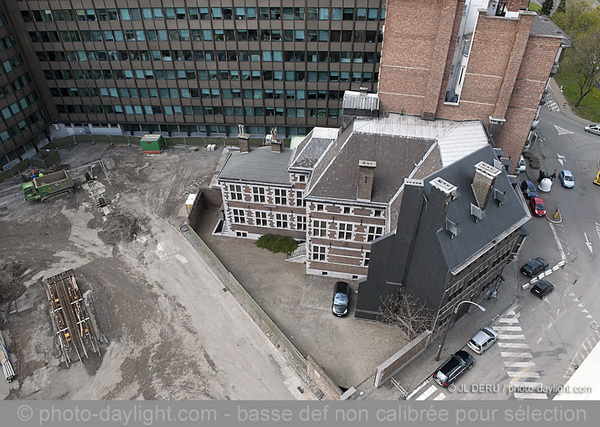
(276, 243)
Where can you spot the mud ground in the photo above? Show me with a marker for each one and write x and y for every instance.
(167, 329)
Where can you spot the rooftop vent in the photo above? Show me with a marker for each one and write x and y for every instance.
(499, 196)
(452, 228)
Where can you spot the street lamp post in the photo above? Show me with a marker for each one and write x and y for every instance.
(437, 357)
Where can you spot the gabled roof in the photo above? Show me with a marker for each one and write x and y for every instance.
(259, 165)
(475, 236)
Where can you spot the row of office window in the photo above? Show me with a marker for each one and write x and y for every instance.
(231, 130)
(281, 196)
(204, 93)
(356, 57)
(261, 219)
(22, 125)
(16, 107)
(197, 35)
(15, 85)
(223, 75)
(197, 13)
(10, 64)
(199, 110)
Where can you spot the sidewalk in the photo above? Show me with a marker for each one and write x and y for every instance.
(565, 109)
(421, 368)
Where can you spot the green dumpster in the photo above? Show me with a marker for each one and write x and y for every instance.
(152, 144)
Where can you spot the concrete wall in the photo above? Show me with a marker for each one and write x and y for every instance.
(320, 378)
(399, 360)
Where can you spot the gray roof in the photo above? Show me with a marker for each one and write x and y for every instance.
(396, 157)
(545, 27)
(360, 101)
(475, 236)
(310, 150)
(259, 165)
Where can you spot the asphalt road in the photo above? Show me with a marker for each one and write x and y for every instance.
(542, 342)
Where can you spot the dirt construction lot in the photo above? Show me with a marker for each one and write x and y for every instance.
(168, 329)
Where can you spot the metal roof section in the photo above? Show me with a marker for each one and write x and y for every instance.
(456, 139)
(259, 165)
(360, 101)
(310, 150)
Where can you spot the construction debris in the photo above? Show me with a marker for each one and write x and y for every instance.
(70, 319)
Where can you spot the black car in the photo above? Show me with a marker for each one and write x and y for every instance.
(534, 267)
(341, 299)
(528, 189)
(453, 368)
(542, 288)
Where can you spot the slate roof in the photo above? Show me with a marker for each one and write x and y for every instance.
(259, 165)
(545, 27)
(474, 236)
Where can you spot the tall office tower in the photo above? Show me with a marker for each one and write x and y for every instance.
(23, 118)
(469, 59)
(194, 67)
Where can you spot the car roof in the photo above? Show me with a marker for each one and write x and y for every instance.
(542, 284)
(537, 199)
(481, 336)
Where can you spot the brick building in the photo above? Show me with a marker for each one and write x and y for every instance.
(456, 231)
(469, 59)
(339, 190)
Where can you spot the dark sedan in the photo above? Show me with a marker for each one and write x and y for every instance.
(528, 189)
(534, 267)
(341, 299)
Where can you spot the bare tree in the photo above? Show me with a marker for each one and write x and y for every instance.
(407, 313)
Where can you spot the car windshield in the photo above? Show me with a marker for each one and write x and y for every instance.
(568, 178)
(539, 206)
(340, 299)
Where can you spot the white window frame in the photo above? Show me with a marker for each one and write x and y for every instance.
(319, 253)
(301, 222)
(261, 218)
(374, 231)
(235, 192)
(300, 202)
(345, 230)
(282, 220)
(239, 216)
(319, 228)
(280, 196)
(259, 195)
(366, 258)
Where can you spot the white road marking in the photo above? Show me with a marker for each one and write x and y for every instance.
(538, 396)
(539, 340)
(416, 390)
(523, 374)
(598, 229)
(519, 364)
(511, 337)
(525, 384)
(509, 320)
(512, 312)
(549, 326)
(508, 328)
(557, 311)
(588, 243)
(563, 131)
(515, 354)
(440, 396)
(427, 393)
(561, 159)
(512, 345)
(560, 248)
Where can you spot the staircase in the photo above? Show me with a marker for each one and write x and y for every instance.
(299, 255)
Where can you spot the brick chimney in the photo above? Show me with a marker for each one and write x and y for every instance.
(276, 146)
(366, 174)
(483, 183)
(244, 143)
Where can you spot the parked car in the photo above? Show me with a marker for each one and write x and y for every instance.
(483, 340)
(593, 128)
(341, 299)
(538, 208)
(528, 189)
(521, 165)
(534, 267)
(566, 178)
(542, 288)
(453, 368)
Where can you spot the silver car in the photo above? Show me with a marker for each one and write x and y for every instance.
(483, 340)
(593, 129)
(566, 178)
